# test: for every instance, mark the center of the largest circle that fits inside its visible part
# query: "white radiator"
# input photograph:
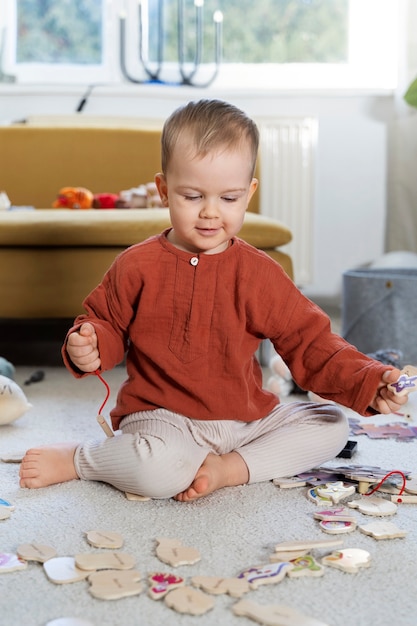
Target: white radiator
(287, 159)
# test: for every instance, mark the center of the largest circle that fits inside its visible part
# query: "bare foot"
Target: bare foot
(217, 471)
(48, 465)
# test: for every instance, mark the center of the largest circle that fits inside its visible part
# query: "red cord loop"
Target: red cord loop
(97, 373)
(385, 478)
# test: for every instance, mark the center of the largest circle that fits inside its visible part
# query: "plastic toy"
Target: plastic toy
(6, 368)
(73, 198)
(13, 402)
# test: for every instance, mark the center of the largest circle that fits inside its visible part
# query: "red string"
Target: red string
(97, 373)
(385, 478)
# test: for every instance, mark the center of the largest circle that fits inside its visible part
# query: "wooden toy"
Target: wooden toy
(104, 539)
(411, 485)
(12, 457)
(189, 600)
(273, 614)
(13, 402)
(162, 583)
(314, 496)
(288, 546)
(406, 383)
(172, 552)
(348, 560)
(337, 527)
(382, 530)
(305, 566)
(341, 514)
(6, 505)
(36, 552)
(136, 497)
(266, 574)
(104, 560)
(69, 621)
(11, 562)
(404, 499)
(114, 584)
(5, 513)
(235, 587)
(374, 505)
(289, 483)
(336, 491)
(62, 570)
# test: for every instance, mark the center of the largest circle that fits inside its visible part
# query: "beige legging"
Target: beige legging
(158, 452)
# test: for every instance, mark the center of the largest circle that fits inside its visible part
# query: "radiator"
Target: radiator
(287, 162)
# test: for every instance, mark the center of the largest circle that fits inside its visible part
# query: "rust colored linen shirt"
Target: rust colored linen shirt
(190, 325)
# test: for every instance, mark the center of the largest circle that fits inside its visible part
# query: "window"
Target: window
(291, 43)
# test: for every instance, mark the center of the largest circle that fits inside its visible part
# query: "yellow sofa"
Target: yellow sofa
(51, 259)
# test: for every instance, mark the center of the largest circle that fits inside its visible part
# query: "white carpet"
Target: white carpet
(234, 528)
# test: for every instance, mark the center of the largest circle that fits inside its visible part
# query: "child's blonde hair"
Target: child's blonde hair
(211, 124)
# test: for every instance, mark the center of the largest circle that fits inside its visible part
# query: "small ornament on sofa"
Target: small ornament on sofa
(13, 402)
(74, 198)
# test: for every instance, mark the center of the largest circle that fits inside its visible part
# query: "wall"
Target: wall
(352, 155)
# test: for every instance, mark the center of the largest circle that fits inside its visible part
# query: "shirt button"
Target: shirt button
(194, 261)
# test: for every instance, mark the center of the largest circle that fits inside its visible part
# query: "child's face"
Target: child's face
(207, 196)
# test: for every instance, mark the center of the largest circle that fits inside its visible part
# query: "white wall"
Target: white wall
(352, 155)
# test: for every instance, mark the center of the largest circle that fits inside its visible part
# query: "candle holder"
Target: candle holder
(187, 70)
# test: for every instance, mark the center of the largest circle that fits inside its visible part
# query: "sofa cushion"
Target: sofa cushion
(118, 227)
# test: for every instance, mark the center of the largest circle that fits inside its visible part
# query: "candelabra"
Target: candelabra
(153, 69)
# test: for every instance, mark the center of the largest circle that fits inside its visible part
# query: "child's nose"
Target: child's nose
(209, 209)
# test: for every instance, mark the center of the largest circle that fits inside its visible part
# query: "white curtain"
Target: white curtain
(402, 166)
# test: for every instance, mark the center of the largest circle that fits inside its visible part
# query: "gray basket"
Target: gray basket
(379, 310)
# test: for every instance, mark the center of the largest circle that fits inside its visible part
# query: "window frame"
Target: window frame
(372, 64)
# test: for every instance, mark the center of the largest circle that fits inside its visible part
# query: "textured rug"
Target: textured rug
(234, 529)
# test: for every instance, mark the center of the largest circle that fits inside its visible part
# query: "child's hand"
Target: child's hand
(386, 401)
(82, 348)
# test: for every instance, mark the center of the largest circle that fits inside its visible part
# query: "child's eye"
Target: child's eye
(190, 197)
(229, 198)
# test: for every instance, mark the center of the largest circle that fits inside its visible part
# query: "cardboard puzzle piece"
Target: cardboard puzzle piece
(161, 583)
(114, 584)
(189, 600)
(174, 553)
(235, 587)
(273, 614)
(104, 560)
(104, 539)
(348, 560)
(374, 505)
(11, 562)
(36, 552)
(397, 431)
(336, 491)
(62, 570)
(383, 530)
(268, 574)
(305, 566)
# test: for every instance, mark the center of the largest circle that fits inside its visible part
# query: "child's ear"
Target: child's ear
(252, 188)
(162, 187)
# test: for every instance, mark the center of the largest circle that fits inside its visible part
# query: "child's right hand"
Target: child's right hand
(82, 348)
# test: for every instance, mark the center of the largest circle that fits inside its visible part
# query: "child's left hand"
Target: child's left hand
(386, 401)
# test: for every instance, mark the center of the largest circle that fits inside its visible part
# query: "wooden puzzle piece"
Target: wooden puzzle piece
(404, 499)
(104, 560)
(340, 514)
(114, 584)
(62, 570)
(104, 539)
(374, 505)
(172, 552)
(162, 583)
(11, 562)
(12, 457)
(268, 574)
(5, 504)
(406, 383)
(383, 530)
(411, 485)
(336, 491)
(5, 513)
(314, 496)
(337, 527)
(235, 587)
(69, 621)
(136, 497)
(36, 552)
(189, 600)
(305, 566)
(289, 482)
(290, 555)
(307, 544)
(348, 560)
(273, 614)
